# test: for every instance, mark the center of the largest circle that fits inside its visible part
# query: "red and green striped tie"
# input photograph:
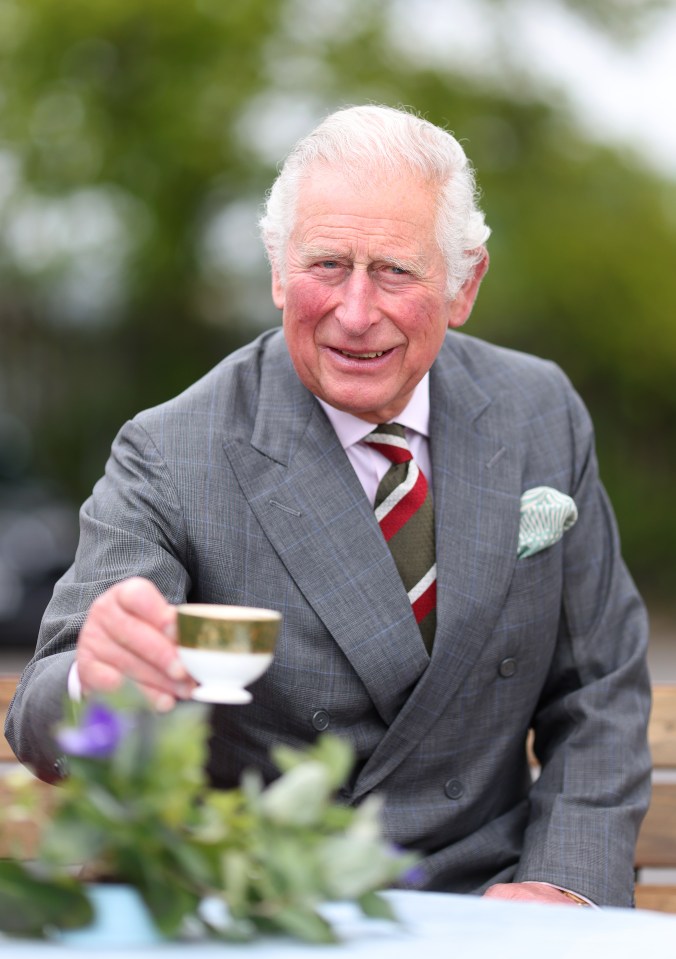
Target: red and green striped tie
(404, 511)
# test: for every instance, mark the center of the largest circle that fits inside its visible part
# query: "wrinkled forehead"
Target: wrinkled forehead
(368, 190)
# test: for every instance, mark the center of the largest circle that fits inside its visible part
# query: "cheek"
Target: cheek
(306, 303)
(425, 325)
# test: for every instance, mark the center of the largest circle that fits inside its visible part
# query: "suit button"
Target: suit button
(507, 667)
(321, 720)
(454, 789)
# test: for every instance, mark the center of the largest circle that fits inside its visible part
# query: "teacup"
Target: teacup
(225, 648)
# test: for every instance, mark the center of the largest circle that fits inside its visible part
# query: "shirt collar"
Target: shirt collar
(415, 416)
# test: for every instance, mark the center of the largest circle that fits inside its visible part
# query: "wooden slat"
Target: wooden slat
(656, 847)
(19, 839)
(663, 725)
(657, 838)
(658, 898)
(8, 683)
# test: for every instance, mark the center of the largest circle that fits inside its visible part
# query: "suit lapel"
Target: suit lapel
(476, 483)
(307, 498)
(311, 506)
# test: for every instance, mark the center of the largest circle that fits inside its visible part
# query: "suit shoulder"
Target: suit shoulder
(499, 368)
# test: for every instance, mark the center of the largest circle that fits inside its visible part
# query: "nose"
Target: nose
(357, 311)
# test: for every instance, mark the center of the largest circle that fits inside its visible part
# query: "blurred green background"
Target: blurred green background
(137, 141)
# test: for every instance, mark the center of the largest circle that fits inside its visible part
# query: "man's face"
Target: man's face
(364, 303)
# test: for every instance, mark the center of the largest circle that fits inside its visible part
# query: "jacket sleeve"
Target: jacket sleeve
(591, 721)
(132, 525)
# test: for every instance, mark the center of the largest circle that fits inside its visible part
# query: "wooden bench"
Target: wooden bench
(656, 849)
(7, 686)
(24, 833)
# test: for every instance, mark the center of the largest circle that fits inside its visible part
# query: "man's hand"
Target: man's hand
(530, 892)
(131, 632)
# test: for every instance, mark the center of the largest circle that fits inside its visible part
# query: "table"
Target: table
(435, 925)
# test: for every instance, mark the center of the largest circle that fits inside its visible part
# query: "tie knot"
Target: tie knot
(390, 440)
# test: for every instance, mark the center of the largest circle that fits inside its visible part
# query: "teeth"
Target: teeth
(362, 356)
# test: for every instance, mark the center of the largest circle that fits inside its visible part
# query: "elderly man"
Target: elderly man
(433, 632)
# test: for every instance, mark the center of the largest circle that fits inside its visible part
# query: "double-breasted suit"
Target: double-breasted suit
(238, 491)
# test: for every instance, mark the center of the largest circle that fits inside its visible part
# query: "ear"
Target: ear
(461, 306)
(278, 295)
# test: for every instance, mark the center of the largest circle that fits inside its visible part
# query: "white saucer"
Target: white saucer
(222, 693)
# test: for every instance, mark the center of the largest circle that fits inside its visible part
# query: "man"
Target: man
(257, 487)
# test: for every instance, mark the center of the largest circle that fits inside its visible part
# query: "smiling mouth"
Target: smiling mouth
(362, 356)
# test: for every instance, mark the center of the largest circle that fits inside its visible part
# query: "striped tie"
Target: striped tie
(404, 511)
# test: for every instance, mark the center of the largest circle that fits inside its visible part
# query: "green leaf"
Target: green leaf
(366, 823)
(169, 904)
(338, 757)
(193, 863)
(352, 867)
(376, 907)
(335, 754)
(305, 924)
(299, 796)
(68, 841)
(289, 861)
(236, 868)
(30, 905)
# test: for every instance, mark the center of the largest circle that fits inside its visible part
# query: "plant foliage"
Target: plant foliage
(136, 808)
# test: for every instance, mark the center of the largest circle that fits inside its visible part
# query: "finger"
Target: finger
(142, 599)
(118, 621)
(103, 664)
(128, 645)
(103, 678)
(98, 676)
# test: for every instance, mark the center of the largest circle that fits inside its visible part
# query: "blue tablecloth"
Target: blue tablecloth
(433, 926)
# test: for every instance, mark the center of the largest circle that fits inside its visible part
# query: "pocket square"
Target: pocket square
(546, 514)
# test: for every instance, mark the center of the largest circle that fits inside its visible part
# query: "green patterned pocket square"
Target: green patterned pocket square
(546, 514)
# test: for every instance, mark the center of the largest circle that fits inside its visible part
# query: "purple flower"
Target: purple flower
(413, 878)
(97, 736)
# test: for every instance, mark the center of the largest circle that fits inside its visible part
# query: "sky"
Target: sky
(621, 95)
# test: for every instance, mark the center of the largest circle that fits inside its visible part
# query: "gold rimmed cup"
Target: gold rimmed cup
(225, 648)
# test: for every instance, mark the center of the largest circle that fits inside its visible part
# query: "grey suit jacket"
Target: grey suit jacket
(238, 491)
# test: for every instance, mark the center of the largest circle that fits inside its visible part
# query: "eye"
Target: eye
(328, 271)
(395, 273)
(394, 268)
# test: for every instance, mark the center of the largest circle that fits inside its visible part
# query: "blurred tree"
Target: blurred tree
(136, 142)
(118, 137)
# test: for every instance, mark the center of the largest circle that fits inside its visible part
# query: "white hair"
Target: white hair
(356, 139)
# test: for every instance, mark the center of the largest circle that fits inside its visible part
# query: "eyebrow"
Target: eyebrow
(415, 265)
(321, 253)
